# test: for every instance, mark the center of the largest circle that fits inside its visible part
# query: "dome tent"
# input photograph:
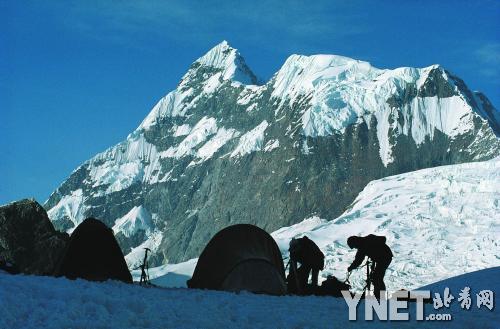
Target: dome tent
(92, 253)
(241, 257)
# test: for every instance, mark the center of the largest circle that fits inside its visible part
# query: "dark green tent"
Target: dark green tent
(92, 253)
(241, 257)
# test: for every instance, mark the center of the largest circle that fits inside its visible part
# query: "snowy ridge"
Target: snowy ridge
(230, 66)
(228, 59)
(199, 134)
(138, 218)
(451, 116)
(181, 130)
(214, 144)
(343, 90)
(251, 141)
(439, 222)
(301, 74)
(170, 105)
(122, 165)
(71, 206)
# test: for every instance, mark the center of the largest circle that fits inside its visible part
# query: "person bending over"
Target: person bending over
(375, 248)
(311, 259)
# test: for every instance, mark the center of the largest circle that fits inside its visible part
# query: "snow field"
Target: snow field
(46, 302)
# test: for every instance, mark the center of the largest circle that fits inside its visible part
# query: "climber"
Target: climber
(311, 259)
(373, 247)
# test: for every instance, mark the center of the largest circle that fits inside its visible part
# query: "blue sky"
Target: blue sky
(77, 76)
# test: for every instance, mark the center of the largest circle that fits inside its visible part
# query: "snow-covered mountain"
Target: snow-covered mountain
(222, 148)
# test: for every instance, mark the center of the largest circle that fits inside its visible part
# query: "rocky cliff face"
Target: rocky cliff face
(223, 149)
(28, 239)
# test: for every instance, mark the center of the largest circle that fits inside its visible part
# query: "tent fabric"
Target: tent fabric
(240, 257)
(257, 276)
(92, 253)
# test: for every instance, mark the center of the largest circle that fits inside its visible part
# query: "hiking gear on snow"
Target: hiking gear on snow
(333, 287)
(144, 268)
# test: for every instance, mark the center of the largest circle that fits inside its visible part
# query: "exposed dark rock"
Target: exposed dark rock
(489, 113)
(27, 238)
(436, 85)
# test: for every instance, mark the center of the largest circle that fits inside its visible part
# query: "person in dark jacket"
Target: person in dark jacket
(375, 248)
(311, 259)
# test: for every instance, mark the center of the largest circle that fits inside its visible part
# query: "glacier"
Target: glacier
(439, 222)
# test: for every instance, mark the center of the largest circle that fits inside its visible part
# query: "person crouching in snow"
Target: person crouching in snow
(373, 247)
(311, 259)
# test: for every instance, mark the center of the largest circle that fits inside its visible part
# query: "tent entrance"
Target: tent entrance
(255, 275)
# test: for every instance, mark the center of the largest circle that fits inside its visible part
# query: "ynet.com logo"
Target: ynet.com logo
(396, 308)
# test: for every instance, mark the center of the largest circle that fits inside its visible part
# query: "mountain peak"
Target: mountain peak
(301, 72)
(219, 56)
(228, 59)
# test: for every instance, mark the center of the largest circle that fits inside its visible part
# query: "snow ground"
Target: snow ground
(46, 302)
(170, 275)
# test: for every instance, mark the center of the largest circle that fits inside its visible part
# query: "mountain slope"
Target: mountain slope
(439, 222)
(221, 149)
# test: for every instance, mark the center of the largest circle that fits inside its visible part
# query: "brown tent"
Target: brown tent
(241, 257)
(92, 253)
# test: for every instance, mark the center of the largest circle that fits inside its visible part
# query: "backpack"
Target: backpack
(375, 240)
(332, 287)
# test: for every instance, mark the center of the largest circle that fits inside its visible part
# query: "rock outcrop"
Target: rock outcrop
(27, 238)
